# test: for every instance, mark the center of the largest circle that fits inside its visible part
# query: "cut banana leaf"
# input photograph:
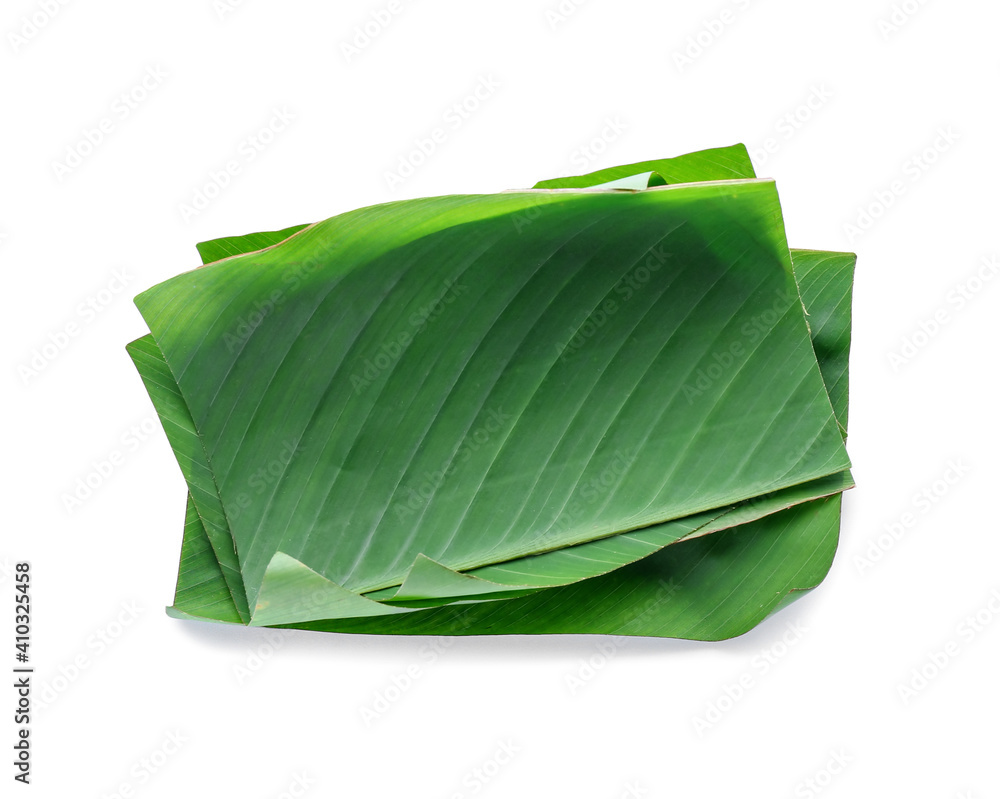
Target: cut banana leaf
(615, 403)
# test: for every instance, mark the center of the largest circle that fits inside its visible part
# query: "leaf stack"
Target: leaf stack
(613, 403)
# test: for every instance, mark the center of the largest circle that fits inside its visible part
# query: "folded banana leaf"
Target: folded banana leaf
(613, 403)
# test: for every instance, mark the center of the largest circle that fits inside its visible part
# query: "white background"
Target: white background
(903, 126)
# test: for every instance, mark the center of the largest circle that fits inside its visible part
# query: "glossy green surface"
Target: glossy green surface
(507, 404)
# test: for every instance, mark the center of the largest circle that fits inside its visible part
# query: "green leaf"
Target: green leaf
(203, 496)
(217, 249)
(489, 402)
(201, 584)
(720, 163)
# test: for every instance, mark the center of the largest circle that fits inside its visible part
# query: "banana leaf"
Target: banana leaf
(612, 403)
